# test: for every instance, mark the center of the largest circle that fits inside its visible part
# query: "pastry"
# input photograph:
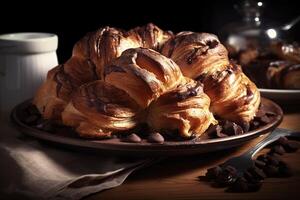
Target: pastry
(155, 93)
(202, 57)
(118, 80)
(90, 54)
(184, 110)
(284, 74)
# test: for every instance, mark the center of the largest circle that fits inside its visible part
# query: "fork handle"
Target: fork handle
(274, 135)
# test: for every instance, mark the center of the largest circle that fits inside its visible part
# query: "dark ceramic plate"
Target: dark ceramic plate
(168, 148)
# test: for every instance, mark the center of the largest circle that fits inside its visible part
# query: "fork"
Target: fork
(244, 161)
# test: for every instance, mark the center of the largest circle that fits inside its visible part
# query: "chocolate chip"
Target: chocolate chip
(271, 171)
(265, 119)
(277, 149)
(156, 138)
(282, 141)
(214, 172)
(245, 126)
(219, 132)
(272, 160)
(260, 113)
(227, 128)
(262, 158)
(240, 185)
(259, 163)
(237, 129)
(232, 170)
(291, 146)
(257, 173)
(226, 176)
(133, 138)
(248, 176)
(254, 124)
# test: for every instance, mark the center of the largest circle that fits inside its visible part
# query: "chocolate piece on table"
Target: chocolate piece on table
(227, 176)
(257, 173)
(259, 163)
(271, 170)
(214, 172)
(273, 159)
(277, 149)
(291, 146)
(240, 185)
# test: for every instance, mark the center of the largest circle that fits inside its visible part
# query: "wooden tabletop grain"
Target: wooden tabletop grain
(176, 178)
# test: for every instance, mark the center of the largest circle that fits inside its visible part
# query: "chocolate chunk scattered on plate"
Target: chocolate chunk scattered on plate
(156, 137)
(133, 138)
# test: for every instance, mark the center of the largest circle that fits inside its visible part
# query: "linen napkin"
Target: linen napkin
(34, 170)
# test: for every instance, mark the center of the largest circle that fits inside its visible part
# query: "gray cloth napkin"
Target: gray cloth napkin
(33, 170)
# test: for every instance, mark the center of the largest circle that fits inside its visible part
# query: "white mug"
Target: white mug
(25, 59)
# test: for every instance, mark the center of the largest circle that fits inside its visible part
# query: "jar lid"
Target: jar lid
(28, 43)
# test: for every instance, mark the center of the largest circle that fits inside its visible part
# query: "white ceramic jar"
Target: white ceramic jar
(25, 59)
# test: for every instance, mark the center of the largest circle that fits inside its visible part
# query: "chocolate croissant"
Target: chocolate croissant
(54, 94)
(144, 74)
(155, 92)
(90, 54)
(184, 109)
(201, 56)
(116, 80)
(98, 108)
(283, 74)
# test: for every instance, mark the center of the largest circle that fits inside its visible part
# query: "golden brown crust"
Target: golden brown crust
(201, 56)
(234, 96)
(90, 54)
(284, 74)
(146, 73)
(150, 36)
(98, 108)
(54, 94)
(196, 53)
(184, 109)
(138, 84)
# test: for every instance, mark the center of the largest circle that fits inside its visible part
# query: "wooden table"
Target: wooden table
(176, 178)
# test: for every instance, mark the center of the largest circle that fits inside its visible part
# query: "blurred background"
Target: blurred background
(71, 20)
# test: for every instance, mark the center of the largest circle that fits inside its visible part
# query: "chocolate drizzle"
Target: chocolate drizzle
(62, 80)
(173, 44)
(190, 92)
(113, 68)
(212, 43)
(249, 94)
(94, 69)
(193, 56)
(93, 100)
(202, 50)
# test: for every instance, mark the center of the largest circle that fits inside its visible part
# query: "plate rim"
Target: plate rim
(281, 91)
(126, 146)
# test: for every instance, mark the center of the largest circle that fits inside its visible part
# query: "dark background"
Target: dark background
(71, 20)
